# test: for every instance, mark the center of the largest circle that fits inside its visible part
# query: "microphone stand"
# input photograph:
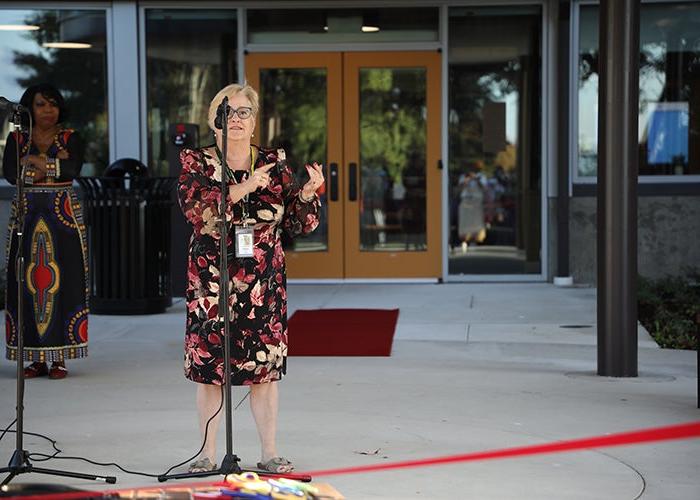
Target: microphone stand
(229, 464)
(19, 462)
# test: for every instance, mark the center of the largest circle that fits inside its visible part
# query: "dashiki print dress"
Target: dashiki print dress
(55, 254)
(258, 284)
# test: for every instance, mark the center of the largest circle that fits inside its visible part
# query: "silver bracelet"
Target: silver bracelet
(29, 175)
(51, 168)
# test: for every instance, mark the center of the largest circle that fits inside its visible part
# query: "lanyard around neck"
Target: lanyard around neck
(232, 178)
(229, 171)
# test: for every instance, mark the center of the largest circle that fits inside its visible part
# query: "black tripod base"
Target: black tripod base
(20, 464)
(229, 465)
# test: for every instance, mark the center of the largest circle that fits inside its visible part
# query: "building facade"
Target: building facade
(459, 138)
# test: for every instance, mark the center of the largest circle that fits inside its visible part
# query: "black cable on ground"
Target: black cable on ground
(42, 457)
(7, 429)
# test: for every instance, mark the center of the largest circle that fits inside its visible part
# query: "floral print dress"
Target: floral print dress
(258, 284)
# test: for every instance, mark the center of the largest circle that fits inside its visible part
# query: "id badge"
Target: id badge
(244, 241)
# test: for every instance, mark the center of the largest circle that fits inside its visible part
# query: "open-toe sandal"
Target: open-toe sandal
(276, 465)
(202, 465)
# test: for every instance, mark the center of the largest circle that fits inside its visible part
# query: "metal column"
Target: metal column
(563, 97)
(617, 187)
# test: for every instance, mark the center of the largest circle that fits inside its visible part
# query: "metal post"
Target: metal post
(617, 187)
(563, 96)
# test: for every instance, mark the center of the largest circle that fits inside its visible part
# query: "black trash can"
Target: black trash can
(128, 230)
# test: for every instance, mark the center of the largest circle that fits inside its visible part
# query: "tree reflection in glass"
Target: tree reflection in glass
(392, 159)
(80, 74)
(293, 116)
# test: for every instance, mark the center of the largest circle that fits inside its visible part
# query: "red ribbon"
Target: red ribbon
(680, 431)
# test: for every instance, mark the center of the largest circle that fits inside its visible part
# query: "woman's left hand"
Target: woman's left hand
(315, 180)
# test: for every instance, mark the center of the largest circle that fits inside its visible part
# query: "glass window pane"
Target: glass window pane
(669, 90)
(588, 92)
(392, 159)
(293, 116)
(342, 25)
(66, 48)
(190, 56)
(494, 132)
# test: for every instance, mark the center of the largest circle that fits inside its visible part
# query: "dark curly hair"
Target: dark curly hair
(50, 93)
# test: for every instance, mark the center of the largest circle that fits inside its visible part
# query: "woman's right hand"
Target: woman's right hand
(259, 179)
(34, 161)
(34, 167)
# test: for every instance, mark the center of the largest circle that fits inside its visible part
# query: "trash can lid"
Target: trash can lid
(126, 167)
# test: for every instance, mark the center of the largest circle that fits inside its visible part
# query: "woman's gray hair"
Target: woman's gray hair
(230, 91)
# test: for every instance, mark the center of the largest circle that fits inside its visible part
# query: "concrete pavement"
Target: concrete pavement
(474, 367)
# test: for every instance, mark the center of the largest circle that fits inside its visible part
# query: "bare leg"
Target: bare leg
(264, 405)
(208, 401)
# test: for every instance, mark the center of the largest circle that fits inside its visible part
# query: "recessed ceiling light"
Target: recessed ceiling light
(66, 45)
(370, 29)
(18, 27)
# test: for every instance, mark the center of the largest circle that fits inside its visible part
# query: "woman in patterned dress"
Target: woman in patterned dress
(261, 189)
(55, 310)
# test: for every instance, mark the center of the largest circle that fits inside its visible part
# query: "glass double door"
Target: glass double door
(373, 120)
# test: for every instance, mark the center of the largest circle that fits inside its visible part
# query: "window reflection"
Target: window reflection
(494, 123)
(190, 56)
(293, 116)
(66, 48)
(392, 159)
(668, 90)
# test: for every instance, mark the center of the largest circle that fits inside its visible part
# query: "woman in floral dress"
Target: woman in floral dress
(262, 193)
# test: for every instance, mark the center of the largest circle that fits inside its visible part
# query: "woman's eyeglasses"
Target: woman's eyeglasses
(244, 112)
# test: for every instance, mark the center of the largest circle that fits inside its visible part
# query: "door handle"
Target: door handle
(352, 188)
(333, 185)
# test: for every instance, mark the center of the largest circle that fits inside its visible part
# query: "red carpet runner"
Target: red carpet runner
(342, 332)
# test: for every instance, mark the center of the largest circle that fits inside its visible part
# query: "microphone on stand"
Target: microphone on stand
(11, 106)
(221, 114)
